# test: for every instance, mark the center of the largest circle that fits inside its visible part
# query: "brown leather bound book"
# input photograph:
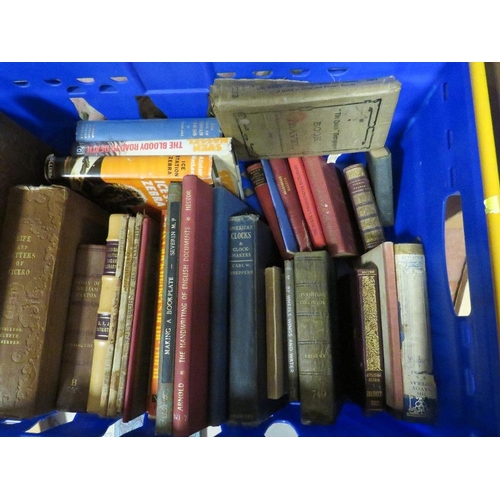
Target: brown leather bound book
(42, 229)
(331, 205)
(364, 205)
(290, 197)
(316, 336)
(256, 174)
(190, 412)
(76, 361)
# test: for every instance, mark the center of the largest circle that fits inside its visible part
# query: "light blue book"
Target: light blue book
(289, 239)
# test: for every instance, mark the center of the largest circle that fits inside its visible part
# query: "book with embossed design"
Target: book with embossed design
(42, 229)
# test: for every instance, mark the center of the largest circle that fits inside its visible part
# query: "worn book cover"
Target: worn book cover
(317, 338)
(76, 361)
(379, 163)
(42, 229)
(283, 118)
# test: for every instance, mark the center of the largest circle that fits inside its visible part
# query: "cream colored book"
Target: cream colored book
(110, 391)
(109, 302)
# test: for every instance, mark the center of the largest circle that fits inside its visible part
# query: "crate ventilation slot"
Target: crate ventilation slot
(281, 429)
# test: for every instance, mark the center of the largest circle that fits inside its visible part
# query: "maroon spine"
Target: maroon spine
(330, 202)
(258, 179)
(288, 193)
(190, 408)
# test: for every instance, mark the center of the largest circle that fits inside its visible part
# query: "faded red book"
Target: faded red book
(190, 412)
(331, 206)
(290, 197)
(258, 178)
(307, 202)
(143, 322)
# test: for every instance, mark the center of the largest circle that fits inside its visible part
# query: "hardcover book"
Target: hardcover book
(288, 192)
(147, 129)
(291, 332)
(379, 163)
(382, 256)
(364, 205)
(193, 308)
(42, 229)
(336, 223)
(118, 183)
(259, 181)
(76, 360)
(143, 323)
(107, 312)
(283, 118)
(419, 386)
(307, 203)
(168, 313)
(252, 249)
(225, 206)
(317, 336)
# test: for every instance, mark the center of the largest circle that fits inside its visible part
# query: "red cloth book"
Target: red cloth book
(190, 409)
(337, 225)
(307, 202)
(256, 174)
(288, 192)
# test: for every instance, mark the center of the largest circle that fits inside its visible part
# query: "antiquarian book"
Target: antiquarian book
(364, 205)
(307, 202)
(366, 384)
(193, 308)
(133, 183)
(21, 154)
(225, 206)
(249, 195)
(107, 312)
(114, 354)
(226, 172)
(42, 229)
(252, 249)
(168, 313)
(155, 360)
(382, 256)
(288, 192)
(143, 322)
(274, 333)
(420, 394)
(291, 332)
(146, 129)
(287, 232)
(258, 178)
(317, 337)
(116, 407)
(379, 163)
(76, 360)
(283, 118)
(337, 225)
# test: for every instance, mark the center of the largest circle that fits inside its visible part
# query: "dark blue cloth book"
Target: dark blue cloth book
(225, 205)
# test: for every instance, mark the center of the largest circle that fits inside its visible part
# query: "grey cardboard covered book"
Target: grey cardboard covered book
(281, 118)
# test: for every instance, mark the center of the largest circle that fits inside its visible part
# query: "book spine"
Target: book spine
(76, 359)
(314, 281)
(287, 232)
(108, 307)
(379, 164)
(307, 202)
(261, 187)
(290, 198)
(249, 195)
(157, 129)
(330, 202)
(165, 400)
(190, 410)
(420, 396)
(274, 333)
(369, 338)
(291, 332)
(365, 208)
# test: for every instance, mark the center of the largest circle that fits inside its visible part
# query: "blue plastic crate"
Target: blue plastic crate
(433, 139)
